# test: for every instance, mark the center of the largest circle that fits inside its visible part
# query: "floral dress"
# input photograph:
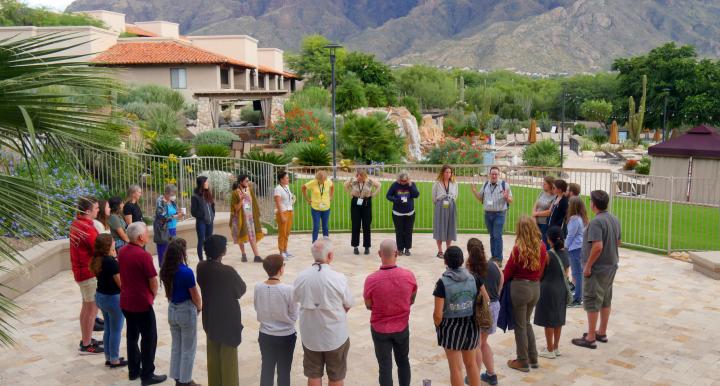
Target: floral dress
(246, 210)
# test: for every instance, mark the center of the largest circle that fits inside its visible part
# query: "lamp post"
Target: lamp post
(667, 92)
(562, 128)
(333, 47)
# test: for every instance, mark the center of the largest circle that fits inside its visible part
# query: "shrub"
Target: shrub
(163, 119)
(643, 167)
(190, 110)
(313, 154)
(215, 137)
(350, 95)
(292, 149)
(544, 153)
(455, 151)
(630, 164)
(257, 154)
(154, 94)
(250, 115)
(511, 126)
(220, 181)
(579, 129)
(371, 138)
(413, 106)
(297, 126)
(544, 123)
(166, 146)
(310, 97)
(598, 136)
(494, 123)
(375, 95)
(587, 146)
(212, 150)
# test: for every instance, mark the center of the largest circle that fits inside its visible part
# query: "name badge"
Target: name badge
(403, 199)
(489, 203)
(446, 204)
(322, 205)
(246, 206)
(359, 201)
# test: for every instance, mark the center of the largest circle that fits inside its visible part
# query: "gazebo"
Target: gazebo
(694, 160)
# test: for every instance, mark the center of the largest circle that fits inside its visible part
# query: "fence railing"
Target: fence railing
(659, 213)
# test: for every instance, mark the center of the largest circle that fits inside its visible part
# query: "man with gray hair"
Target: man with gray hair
(389, 292)
(139, 288)
(325, 299)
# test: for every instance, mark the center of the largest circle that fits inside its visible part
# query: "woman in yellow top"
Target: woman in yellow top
(362, 189)
(321, 194)
(245, 223)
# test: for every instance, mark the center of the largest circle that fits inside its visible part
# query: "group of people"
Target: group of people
(116, 274)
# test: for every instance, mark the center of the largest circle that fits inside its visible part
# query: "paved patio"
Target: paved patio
(664, 328)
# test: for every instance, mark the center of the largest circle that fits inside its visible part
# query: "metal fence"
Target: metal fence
(658, 213)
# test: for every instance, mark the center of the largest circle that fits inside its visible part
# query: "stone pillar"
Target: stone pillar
(204, 115)
(277, 109)
(247, 79)
(277, 81)
(282, 82)
(267, 82)
(256, 77)
(231, 76)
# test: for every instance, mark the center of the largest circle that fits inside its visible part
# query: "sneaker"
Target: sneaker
(289, 255)
(518, 365)
(257, 259)
(367, 251)
(489, 379)
(92, 342)
(153, 380)
(244, 258)
(557, 353)
(575, 304)
(572, 287)
(407, 252)
(326, 237)
(545, 353)
(107, 363)
(356, 251)
(98, 326)
(91, 349)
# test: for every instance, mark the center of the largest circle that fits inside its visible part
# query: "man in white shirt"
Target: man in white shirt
(324, 298)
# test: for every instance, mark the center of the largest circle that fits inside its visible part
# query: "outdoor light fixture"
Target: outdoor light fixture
(333, 47)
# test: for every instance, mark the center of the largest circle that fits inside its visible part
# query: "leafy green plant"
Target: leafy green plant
(151, 93)
(166, 146)
(598, 136)
(579, 129)
(190, 110)
(297, 126)
(257, 154)
(162, 119)
(375, 95)
(411, 103)
(250, 115)
(350, 95)
(15, 13)
(371, 138)
(544, 153)
(494, 123)
(215, 137)
(643, 166)
(310, 97)
(313, 154)
(212, 150)
(587, 146)
(544, 123)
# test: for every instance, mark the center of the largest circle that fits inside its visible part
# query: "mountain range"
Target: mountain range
(536, 36)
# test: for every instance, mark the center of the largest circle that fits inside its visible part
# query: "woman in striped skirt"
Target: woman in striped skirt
(457, 333)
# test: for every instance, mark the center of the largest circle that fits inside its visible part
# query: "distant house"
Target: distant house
(216, 71)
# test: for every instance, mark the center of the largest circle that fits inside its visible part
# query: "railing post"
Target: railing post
(180, 181)
(670, 214)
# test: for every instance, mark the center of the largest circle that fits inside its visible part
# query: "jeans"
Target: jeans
(524, 295)
(141, 361)
(114, 320)
(203, 232)
(276, 351)
(494, 222)
(317, 217)
(161, 248)
(360, 216)
(182, 318)
(543, 235)
(387, 344)
(577, 273)
(403, 231)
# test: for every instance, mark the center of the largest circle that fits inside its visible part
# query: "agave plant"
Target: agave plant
(49, 103)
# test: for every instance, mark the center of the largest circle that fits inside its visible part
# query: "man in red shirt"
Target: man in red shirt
(389, 293)
(137, 294)
(82, 246)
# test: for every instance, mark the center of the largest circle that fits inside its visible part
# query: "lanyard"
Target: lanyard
(494, 186)
(362, 188)
(287, 191)
(447, 188)
(322, 190)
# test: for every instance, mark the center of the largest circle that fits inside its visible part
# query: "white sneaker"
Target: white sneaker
(289, 255)
(284, 255)
(326, 237)
(547, 354)
(557, 353)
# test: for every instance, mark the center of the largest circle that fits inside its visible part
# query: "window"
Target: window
(225, 78)
(178, 78)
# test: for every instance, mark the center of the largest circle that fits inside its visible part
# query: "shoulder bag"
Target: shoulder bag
(565, 280)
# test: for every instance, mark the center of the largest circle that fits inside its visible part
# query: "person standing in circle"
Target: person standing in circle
(245, 217)
(284, 201)
(496, 198)
(166, 217)
(131, 209)
(362, 189)
(202, 207)
(402, 194)
(541, 212)
(444, 194)
(321, 195)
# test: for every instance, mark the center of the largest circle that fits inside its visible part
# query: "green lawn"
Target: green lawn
(644, 222)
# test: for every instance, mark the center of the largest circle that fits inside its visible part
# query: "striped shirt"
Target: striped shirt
(492, 196)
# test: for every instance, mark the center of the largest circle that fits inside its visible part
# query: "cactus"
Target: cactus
(635, 119)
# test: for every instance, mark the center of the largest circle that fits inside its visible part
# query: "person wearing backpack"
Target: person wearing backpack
(496, 198)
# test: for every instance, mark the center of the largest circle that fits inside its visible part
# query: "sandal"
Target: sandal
(582, 342)
(598, 337)
(439, 255)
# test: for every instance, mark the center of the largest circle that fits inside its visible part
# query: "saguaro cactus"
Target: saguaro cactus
(635, 119)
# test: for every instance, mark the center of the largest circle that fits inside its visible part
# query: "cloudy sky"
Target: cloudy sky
(56, 4)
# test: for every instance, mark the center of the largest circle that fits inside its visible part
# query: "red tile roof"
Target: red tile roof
(133, 29)
(162, 52)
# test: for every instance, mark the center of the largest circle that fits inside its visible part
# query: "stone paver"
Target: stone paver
(664, 328)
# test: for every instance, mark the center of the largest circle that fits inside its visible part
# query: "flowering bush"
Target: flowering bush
(455, 151)
(297, 126)
(64, 184)
(630, 164)
(220, 181)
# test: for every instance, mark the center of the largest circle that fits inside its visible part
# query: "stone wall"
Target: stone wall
(277, 110)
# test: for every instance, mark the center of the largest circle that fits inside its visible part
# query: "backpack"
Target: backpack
(502, 185)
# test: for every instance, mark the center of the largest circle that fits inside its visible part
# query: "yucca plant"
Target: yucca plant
(544, 153)
(313, 154)
(166, 146)
(212, 150)
(256, 154)
(37, 116)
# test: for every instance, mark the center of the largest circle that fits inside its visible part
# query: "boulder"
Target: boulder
(406, 126)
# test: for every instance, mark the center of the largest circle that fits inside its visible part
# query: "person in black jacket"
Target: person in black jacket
(202, 207)
(402, 194)
(559, 208)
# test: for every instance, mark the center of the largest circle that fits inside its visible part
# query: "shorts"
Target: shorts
(335, 362)
(597, 291)
(459, 334)
(87, 289)
(494, 312)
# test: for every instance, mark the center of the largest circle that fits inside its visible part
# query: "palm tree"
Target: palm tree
(49, 103)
